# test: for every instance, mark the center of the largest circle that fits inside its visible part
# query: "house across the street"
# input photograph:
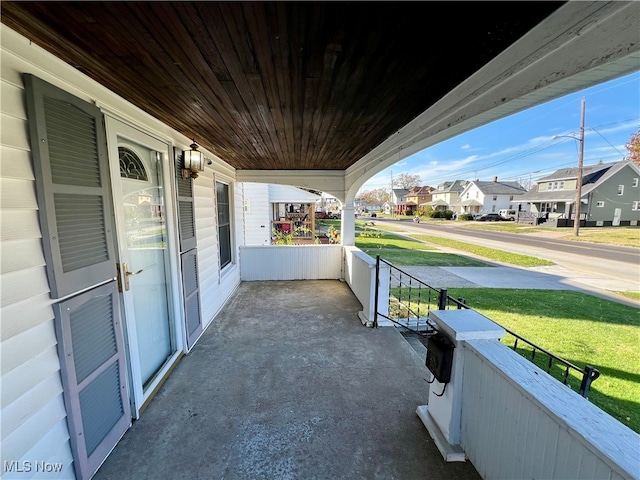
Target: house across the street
(479, 197)
(447, 194)
(610, 195)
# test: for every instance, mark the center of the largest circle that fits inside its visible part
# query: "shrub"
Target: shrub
(446, 214)
(368, 232)
(465, 216)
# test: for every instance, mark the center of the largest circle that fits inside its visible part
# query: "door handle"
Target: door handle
(127, 274)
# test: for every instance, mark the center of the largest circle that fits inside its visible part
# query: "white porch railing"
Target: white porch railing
(290, 262)
(360, 275)
(539, 427)
(513, 420)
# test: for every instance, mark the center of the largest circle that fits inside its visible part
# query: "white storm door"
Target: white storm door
(617, 213)
(138, 179)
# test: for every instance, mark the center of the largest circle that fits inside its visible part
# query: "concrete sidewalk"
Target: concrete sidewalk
(288, 384)
(553, 277)
(490, 277)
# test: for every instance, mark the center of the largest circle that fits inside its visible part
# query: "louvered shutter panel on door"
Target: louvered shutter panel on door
(91, 350)
(68, 146)
(70, 161)
(188, 253)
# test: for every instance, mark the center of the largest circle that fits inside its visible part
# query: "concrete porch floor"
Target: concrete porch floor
(288, 384)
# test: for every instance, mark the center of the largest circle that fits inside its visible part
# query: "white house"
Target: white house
(265, 204)
(489, 197)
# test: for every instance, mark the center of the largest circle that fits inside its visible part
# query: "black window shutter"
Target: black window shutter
(69, 150)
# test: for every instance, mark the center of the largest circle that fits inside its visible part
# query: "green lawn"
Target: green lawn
(386, 240)
(582, 329)
(631, 295)
(509, 227)
(388, 228)
(621, 236)
(421, 258)
(486, 252)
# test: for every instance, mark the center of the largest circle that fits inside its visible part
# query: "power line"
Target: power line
(614, 147)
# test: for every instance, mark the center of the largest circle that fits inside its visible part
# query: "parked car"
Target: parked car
(509, 214)
(491, 217)
(323, 215)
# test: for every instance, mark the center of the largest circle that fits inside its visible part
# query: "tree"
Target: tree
(634, 148)
(406, 181)
(376, 196)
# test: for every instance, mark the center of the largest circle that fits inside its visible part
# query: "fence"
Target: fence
(410, 301)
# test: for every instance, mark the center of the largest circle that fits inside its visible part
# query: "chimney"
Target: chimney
(495, 179)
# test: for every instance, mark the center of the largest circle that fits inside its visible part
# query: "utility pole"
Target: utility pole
(391, 199)
(576, 221)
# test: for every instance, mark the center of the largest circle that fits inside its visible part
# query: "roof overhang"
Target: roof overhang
(335, 90)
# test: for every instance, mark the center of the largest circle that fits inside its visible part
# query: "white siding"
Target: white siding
(518, 422)
(360, 275)
(34, 424)
(258, 198)
(215, 286)
(257, 215)
(289, 194)
(31, 402)
(291, 262)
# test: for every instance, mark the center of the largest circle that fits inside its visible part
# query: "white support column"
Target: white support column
(348, 232)
(442, 416)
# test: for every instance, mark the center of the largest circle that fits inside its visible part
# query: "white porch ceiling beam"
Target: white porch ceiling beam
(582, 44)
(328, 181)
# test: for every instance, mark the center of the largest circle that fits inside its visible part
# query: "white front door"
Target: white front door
(138, 179)
(617, 213)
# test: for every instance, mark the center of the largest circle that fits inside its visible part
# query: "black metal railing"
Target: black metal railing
(410, 300)
(588, 374)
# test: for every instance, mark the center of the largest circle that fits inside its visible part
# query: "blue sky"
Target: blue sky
(521, 147)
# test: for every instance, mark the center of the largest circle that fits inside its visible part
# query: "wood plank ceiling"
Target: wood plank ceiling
(279, 85)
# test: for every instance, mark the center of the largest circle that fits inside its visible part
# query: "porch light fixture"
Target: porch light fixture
(193, 162)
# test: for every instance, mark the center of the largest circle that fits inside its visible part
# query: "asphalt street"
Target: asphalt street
(592, 266)
(591, 250)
